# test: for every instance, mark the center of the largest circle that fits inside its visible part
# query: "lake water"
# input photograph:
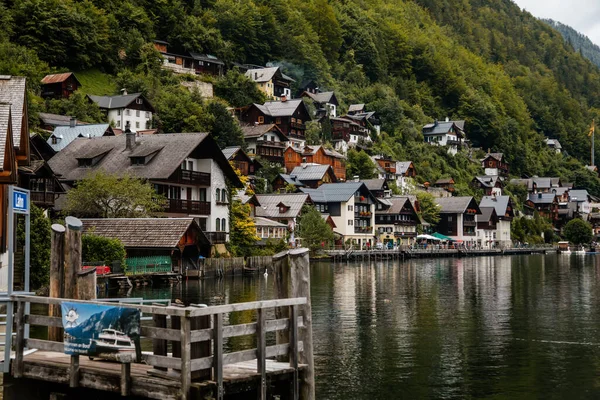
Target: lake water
(497, 327)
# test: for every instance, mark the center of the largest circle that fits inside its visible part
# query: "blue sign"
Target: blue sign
(20, 202)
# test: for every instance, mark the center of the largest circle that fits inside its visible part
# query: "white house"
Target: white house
(351, 206)
(505, 213)
(282, 208)
(448, 133)
(189, 169)
(133, 109)
(553, 144)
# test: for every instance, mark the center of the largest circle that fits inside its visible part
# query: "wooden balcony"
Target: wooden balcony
(216, 237)
(296, 125)
(191, 177)
(43, 198)
(269, 143)
(188, 207)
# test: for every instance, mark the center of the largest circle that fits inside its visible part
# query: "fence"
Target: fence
(148, 265)
(185, 331)
(217, 267)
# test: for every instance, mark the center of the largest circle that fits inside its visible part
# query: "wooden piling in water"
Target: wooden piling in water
(292, 279)
(57, 261)
(72, 256)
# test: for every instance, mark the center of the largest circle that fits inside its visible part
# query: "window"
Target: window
(190, 165)
(127, 112)
(350, 222)
(293, 119)
(138, 160)
(261, 120)
(118, 124)
(202, 194)
(119, 112)
(54, 140)
(223, 196)
(147, 114)
(85, 162)
(350, 208)
(218, 224)
(223, 225)
(138, 101)
(137, 113)
(174, 192)
(218, 196)
(127, 124)
(137, 124)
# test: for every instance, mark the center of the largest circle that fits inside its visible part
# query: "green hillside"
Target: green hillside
(579, 41)
(510, 76)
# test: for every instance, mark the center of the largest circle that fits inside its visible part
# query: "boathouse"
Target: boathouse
(154, 244)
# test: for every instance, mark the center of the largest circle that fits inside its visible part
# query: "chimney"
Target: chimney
(447, 119)
(283, 98)
(73, 122)
(129, 138)
(124, 92)
(356, 178)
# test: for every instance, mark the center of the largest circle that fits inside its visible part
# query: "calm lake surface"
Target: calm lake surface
(497, 327)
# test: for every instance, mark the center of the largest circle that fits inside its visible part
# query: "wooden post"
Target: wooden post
(186, 350)
(294, 350)
(159, 346)
(57, 265)
(72, 256)
(218, 354)
(125, 379)
(261, 348)
(200, 349)
(74, 371)
(20, 339)
(86, 284)
(292, 279)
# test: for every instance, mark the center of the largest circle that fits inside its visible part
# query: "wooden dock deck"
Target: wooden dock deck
(106, 376)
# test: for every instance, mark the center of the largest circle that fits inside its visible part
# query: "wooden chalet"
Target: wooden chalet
(272, 82)
(490, 184)
(240, 160)
(396, 221)
(316, 155)
(290, 116)
(8, 169)
(307, 175)
(378, 187)
(13, 91)
(325, 103)
(178, 241)
(59, 86)
(545, 204)
(495, 164)
(457, 217)
(189, 63)
(266, 141)
(445, 183)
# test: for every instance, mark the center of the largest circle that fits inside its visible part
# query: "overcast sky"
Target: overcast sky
(583, 15)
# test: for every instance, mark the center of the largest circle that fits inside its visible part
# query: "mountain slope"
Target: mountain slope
(579, 41)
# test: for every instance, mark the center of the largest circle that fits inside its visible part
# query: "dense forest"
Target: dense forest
(579, 41)
(509, 75)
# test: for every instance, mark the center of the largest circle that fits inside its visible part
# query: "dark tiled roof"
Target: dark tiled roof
(322, 97)
(261, 221)
(486, 214)
(175, 147)
(280, 108)
(500, 203)
(311, 172)
(57, 120)
(291, 180)
(542, 198)
(356, 107)
(396, 205)
(375, 184)
(12, 91)
(454, 205)
(163, 233)
(495, 156)
(257, 131)
(336, 192)
(5, 118)
(488, 181)
(57, 78)
(117, 101)
(269, 205)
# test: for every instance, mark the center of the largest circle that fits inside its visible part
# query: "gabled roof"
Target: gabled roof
(356, 107)
(175, 148)
(206, 58)
(57, 120)
(456, 205)
(65, 134)
(162, 233)
(118, 101)
(269, 204)
(291, 180)
(5, 122)
(322, 97)
(261, 221)
(495, 156)
(280, 108)
(266, 74)
(553, 143)
(337, 192)
(312, 172)
(500, 203)
(230, 152)
(402, 167)
(488, 181)
(375, 184)
(580, 194)
(314, 149)
(444, 181)
(487, 213)
(12, 91)
(257, 131)
(396, 204)
(443, 127)
(57, 78)
(541, 198)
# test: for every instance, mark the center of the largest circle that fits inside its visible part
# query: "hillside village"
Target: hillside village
(200, 181)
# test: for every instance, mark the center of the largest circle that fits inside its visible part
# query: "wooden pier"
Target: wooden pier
(192, 352)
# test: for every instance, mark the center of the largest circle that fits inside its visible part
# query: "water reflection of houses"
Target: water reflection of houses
(173, 244)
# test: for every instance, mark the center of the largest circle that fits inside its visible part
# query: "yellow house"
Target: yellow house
(271, 81)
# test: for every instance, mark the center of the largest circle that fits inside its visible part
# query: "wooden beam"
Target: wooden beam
(261, 344)
(218, 354)
(162, 361)
(252, 305)
(43, 320)
(186, 356)
(72, 256)
(74, 371)
(47, 345)
(159, 342)
(57, 261)
(125, 379)
(20, 339)
(294, 351)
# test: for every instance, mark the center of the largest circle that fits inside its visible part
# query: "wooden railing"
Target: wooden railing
(194, 177)
(43, 198)
(184, 323)
(188, 206)
(216, 237)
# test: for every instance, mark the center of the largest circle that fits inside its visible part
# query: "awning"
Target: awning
(428, 237)
(443, 237)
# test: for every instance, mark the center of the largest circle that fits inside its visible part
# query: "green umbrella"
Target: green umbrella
(443, 237)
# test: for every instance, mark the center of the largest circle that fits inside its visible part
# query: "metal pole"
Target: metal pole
(593, 134)
(27, 258)
(11, 240)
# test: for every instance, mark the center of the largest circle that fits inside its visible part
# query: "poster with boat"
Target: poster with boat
(100, 331)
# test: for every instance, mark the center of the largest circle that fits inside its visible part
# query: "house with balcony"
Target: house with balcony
(189, 63)
(283, 208)
(266, 141)
(458, 218)
(351, 206)
(402, 173)
(545, 204)
(446, 184)
(241, 161)
(316, 155)
(306, 175)
(450, 134)
(59, 86)
(504, 213)
(494, 164)
(189, 169)
(396, 221)
(63, 135)
(367, 119)
(325, 103)
(272, 82)
(490, 184)
(290, 116)
(124, 110)
(269, 230)
(346, 133)
(487, 224)
(379, 188)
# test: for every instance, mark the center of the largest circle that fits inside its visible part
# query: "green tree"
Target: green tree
(77, 105)
(313, 133)
(313, 230)
(430, 209)
(111, 196)
(242, 231)
(40, 246)
(238, 90)
(359, 164)
(101, 249)
(223, 127)
(578, 231)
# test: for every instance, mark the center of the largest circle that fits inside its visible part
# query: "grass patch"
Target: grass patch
(93, 81)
